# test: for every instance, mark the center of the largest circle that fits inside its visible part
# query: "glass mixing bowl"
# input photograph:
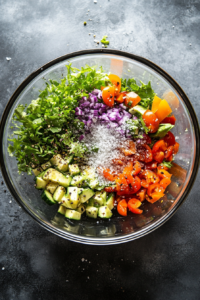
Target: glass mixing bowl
(117, 229)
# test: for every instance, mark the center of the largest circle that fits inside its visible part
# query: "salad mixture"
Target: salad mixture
(95, 143)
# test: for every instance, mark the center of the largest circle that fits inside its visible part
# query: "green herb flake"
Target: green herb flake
(104, 40)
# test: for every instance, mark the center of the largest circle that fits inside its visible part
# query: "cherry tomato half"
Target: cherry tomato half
(121, 97)
(108, 95)
(122, 208)
(132, 99)
(170, 139)
(116, 81)
(133, 205)
(108, 175)
(150, 120)
(169, 120)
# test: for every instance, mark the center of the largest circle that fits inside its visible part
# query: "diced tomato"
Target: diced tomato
(155, 192)
(128, 168)
(133, 205)
(117, 161)
(121, 97)
(108, 175)
(122, 208)
(136, 168)
(108, 95)
(110, 189)
(151, 165)
(151, 120)
(144, 153)
(131, 148)
(135, 183)
(176, 148)
(159, 146)
(169, 120)
(165, 182)
(170, 139)
(149, 176)
(158, 150)
(144, 183)
(162, 167)
(169, 152)
(116, 81)
(159, 156)
(141, 194)
(132, 99)
(163, 173)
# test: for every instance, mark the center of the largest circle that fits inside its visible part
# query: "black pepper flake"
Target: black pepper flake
(4, 191)
(111, 96)
(162, 172)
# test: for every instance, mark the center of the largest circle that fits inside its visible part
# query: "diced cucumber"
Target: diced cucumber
(104, 212)
(40, 182)
(54, 160)
(80, 190)
(93, 183)
(59, 193)
(74, 169)
(85, 195)
(72, 214)
(81, 208)
(110, 201)
(77, 180)
(47, 197)
(137, 109)
(62, 210)
(93, 202)
(46, 165)
(61, 163)
(56, 176)
(67, 202)
(89, 173)
(91, 212)
(100, 198)
(51, 187)
(37, 171)
(72, 192)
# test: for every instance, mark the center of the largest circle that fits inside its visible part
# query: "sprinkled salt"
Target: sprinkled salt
(8, 58)
(108, 141)
(10, 201)
(82, 259)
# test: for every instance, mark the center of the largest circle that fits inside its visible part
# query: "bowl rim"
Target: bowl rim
(126, 237)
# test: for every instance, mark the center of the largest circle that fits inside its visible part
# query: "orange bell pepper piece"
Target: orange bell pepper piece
(163, 110)
(155, 104)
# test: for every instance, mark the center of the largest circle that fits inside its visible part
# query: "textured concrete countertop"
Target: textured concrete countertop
(35, 264)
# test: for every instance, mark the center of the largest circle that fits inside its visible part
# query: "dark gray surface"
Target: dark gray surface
(39, 265)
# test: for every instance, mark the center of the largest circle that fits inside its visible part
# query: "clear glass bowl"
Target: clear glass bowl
(117, 229)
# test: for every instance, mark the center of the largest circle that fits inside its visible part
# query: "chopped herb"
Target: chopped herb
(104, 41)
(145, 91)
(167, 164)
(48, 124)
